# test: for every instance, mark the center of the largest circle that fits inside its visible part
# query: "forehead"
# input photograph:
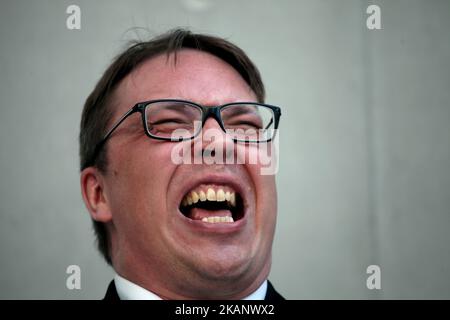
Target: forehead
(196, 76)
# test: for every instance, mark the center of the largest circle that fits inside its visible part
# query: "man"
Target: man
(181, 229)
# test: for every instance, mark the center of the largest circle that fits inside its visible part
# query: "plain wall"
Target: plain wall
(365, 138)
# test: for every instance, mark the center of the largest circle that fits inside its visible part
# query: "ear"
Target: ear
(93, 192)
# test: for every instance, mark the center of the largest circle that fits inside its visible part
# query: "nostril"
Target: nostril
(209, 153)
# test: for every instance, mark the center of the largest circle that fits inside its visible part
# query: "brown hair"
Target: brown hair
(96, 113)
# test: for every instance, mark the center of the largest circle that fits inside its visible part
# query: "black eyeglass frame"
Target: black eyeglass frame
(207, 111)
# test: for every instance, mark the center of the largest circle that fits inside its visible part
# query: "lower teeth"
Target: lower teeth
(217, 219)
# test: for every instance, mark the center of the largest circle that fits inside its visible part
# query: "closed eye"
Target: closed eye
(168, 121)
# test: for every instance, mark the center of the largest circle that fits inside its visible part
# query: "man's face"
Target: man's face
(157, 243)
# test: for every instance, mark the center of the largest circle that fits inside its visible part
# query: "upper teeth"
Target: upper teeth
(210, 195)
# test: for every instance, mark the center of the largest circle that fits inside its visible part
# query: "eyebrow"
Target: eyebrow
(177, 107)
(238, 111)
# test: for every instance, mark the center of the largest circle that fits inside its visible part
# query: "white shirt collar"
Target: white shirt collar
(128, 290)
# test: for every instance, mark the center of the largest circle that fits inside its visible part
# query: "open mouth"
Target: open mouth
(213, 204)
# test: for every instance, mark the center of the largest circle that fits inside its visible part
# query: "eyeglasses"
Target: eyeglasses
(179, 120)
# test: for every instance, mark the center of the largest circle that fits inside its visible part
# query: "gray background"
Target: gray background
(365, 139)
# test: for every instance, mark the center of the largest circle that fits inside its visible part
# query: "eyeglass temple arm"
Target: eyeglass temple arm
(118, 123)
(271, 121)
(278, 112)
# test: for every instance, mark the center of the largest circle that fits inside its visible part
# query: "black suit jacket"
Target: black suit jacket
(271, 294)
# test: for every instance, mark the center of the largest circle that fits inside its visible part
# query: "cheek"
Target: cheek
(263, 157)
(263, 183)
(265, 188)
(267, 209)
(266, 194)
(141, 177)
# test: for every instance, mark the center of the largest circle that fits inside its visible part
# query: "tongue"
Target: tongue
(199, 213)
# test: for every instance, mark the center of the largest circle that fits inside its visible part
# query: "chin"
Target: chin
(223, 266)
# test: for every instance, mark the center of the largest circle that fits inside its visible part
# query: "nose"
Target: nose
(211, 124)
(215, 143)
